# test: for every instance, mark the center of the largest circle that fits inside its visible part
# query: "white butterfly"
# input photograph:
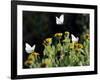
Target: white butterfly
(29, 49)
(60, 20)
(74, 39)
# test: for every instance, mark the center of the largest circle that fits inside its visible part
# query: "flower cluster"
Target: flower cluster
(47, 41)
(63, 49)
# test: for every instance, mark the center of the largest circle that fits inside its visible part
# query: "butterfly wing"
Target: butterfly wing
(77, 39)
(61, 19)
(57, 20)
(28, 48)
(33, 48)
(74, 39)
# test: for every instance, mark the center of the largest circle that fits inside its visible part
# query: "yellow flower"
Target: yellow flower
(66, 33)
(28, 62)
(78, 46)
(31, 57)
(58, 35)
(35, 54)
(46, 62)
(47, 41)
(87, 36)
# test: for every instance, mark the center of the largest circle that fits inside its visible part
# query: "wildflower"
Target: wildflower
(66, 34)
(47, 41)
(35, 54)
(46, 62)
(87, 36)
(58, 35)
(31, 57)
(78, 46)
(28, 63)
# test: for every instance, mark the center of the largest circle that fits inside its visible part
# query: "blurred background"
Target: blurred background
(40, 25)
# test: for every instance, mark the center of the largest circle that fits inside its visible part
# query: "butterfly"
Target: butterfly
(74, 39)
(60, 20)
(29, 49)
